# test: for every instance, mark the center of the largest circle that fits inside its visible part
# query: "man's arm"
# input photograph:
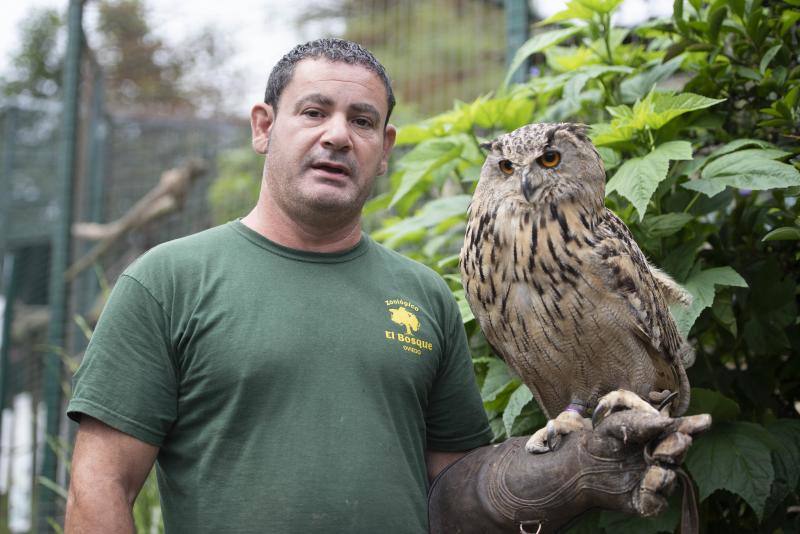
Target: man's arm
(108, 470)
(437, 461)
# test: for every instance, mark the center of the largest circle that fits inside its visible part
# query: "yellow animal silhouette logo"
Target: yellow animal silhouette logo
(405, 318)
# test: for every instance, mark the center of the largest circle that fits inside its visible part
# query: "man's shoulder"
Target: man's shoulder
(183, 252)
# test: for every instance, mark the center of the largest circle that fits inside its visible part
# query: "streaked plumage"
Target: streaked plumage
(558, 285)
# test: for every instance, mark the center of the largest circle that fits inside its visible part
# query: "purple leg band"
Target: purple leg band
(576, 408)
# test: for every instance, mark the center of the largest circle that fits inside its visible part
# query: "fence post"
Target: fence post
(6, 278)
(61, 242)
(518, 21)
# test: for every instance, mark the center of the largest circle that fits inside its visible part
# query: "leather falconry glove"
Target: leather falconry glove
(628, 463)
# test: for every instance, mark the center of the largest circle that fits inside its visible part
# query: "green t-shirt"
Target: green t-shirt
(287, 391)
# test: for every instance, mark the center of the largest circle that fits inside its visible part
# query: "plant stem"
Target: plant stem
(607, 36)
(691, 202)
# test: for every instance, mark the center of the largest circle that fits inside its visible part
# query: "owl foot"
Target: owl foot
(619, 400)
(663, 399)
(547, 439)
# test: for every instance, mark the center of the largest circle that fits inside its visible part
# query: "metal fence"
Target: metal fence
(109, 161)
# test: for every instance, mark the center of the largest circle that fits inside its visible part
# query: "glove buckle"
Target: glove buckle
(523, 524)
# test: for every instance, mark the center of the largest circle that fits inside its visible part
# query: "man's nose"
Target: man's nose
(337, 133)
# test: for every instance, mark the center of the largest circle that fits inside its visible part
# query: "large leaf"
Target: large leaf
(497, 380)
(713, 402)
(727, 148)
(638, 86)
(734, 456)
(518, 400)
(703, 286)
(652, 112)
(538, 43)
(784, 233)
(665, 225)
(785, 461)
(575, 85)
(430, 215)
(426, 157)
(573, 10)
(754, 169)
(638, 178)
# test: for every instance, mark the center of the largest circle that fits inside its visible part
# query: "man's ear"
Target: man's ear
(262, 117)
(389, 136)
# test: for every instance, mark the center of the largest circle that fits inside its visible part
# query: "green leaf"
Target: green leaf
(576, 83)
(722, 309)
(638, 86)
(538, 43)
(784, 233)
(427, 156)
(496, 381)
(715, 19)
(702, 286)
(787, 434)
(638, 178)
(665, 225)
(733, 146)
(463, 306)
(734, 456)
(754, 169)
(573, 10)
(518, 400)
(713, 402)
(652, 112)
(53, 486)
(600, 6)
(765, 61)
(430, 215)
(659, 108)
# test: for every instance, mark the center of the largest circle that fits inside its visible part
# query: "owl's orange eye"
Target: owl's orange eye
(549, 159)
(506, 167)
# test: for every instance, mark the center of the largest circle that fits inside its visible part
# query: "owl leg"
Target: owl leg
(547, 439)
(619, 400)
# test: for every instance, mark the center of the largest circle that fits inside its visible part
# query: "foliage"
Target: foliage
(141, 70)
(235, 191)
(696, 119)
(37, 63)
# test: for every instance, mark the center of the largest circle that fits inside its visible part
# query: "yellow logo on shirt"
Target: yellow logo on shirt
(403, 315)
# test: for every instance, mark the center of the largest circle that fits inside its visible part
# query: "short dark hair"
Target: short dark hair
(332, 49)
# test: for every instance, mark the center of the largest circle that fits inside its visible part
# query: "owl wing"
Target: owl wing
(638, 286)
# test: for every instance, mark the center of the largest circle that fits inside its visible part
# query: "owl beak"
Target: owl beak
(527, 187)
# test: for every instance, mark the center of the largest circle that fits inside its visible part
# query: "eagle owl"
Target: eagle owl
(560, 288)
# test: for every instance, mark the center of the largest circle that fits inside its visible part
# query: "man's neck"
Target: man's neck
(279, 227)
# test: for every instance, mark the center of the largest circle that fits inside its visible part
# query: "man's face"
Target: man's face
(327, 141)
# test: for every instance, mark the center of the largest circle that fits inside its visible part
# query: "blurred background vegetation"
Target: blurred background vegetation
(696, 115)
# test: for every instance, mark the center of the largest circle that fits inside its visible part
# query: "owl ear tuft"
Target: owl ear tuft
(488, 146)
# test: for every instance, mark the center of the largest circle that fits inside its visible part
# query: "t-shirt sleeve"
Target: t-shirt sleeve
(456, 420)
(127, 378)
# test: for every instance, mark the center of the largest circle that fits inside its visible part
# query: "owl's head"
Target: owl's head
(542, 163)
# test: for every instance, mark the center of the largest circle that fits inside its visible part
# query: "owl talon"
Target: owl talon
(667, 401)
(552, 436)
(620, 400)
(596, 415)
(548, 439)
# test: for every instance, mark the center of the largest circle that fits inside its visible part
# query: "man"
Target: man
(288, 373)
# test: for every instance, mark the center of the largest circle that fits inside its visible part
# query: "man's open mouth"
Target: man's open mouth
(333, 168)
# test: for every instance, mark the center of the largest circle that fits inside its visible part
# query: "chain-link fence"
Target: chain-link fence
(436, 51)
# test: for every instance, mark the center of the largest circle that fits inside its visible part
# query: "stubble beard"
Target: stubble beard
(317, 207)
